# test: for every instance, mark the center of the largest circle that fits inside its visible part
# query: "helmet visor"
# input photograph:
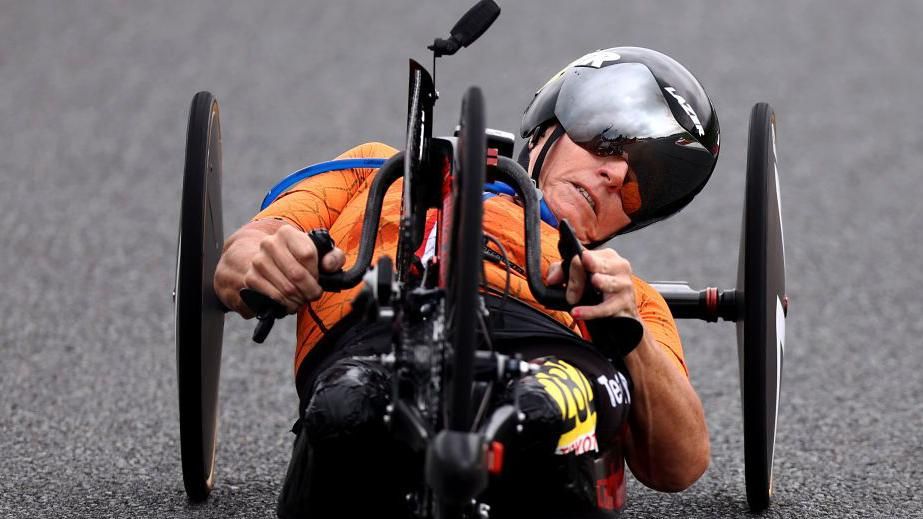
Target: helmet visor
(620, 109)
(613, 105)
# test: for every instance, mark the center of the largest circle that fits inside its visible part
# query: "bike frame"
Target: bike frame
(437, 313)
(434, 359)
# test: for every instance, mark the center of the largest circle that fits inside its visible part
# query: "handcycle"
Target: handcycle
(439, 311)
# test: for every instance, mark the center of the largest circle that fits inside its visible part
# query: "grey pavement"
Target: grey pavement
(94, 98)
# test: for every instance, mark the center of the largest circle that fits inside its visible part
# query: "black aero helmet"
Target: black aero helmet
(640, 104)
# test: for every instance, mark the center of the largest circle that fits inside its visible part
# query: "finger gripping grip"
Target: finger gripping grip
(324, 244)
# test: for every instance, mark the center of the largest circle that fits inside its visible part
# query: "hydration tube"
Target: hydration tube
(316, 169)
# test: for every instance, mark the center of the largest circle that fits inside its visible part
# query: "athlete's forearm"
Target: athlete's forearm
(667, 445)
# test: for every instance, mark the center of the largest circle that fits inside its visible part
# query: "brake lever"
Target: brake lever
(615, 336)
(267, 309)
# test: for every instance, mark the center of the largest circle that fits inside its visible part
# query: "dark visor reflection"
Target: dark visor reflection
(616, 104)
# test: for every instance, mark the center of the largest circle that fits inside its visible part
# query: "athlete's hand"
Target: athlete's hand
(609, 273)
(279, 261)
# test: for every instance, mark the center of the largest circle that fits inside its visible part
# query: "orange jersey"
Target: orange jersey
(336, 201)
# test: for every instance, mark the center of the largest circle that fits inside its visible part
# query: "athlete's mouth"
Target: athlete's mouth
(586, 194)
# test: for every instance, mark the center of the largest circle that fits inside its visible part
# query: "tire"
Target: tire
(199, 314)
(761, 332)
(464, 269)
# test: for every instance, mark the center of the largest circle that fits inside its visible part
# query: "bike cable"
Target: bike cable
(506, 262)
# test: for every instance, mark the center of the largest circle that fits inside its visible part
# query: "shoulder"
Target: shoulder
(368, 150)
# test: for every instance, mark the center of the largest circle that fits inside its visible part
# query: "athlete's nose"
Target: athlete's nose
(613, 173)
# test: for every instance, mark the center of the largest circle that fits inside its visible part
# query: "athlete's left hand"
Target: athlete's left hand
(609, 273)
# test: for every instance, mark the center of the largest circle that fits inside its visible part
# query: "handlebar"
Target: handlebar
(510, 171)
(390, 171)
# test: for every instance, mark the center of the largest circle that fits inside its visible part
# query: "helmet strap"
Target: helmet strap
(523, 158)
(540, 160)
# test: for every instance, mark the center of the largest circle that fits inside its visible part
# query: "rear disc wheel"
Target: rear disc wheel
(199, 314)
(761, 331)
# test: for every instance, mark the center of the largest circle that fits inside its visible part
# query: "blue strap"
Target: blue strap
(503, 188)
(316, 169)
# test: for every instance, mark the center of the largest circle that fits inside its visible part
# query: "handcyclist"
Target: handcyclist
(617, 140)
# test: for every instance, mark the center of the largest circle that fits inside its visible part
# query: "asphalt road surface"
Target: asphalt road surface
(94, 99)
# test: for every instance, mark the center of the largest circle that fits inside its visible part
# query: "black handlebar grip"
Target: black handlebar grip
(614, 336)
(568, 247)
(267, 310)
(263, 327)
(324, 244)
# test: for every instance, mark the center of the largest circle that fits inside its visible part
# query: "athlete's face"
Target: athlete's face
(583, 187)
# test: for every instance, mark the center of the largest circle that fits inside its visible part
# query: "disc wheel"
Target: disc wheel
(761, 331)
(463, 273)
(199, 315)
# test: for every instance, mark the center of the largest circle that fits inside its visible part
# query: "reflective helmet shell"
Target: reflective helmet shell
(642, 105)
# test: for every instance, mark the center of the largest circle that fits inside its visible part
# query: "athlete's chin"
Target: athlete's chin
(576, 212)
(578, 221)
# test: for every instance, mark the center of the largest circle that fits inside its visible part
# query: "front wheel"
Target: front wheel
(464, 254)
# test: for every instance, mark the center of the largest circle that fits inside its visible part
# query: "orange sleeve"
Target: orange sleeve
(318, 201)
(658, 320)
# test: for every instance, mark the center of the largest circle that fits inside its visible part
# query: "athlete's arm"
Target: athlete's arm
(272, 253)
(667, 445)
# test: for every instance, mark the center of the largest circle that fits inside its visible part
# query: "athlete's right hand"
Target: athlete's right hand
(276, 259)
